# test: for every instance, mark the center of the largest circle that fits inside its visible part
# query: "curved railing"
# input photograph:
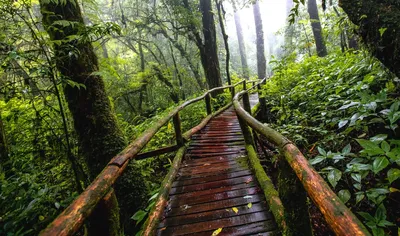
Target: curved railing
(338, 216)
(73, 217)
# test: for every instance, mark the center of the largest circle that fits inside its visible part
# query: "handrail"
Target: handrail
(339, 217)
(73, 217)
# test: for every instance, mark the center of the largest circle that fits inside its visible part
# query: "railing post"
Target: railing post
(244, 84)
(233, 91)
(208, 104)
(263, 105)
(178, 130)
(246, 102)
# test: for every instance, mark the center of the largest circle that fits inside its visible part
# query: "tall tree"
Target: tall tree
(221, 19)
(98, 133)
(242, 46)
(210, 58)
(290, 28)
(3, 144)
(261, 61)
(379, 27)
(316, 28)
(208, 49)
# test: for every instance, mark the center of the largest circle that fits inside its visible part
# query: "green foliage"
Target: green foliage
(342, 106)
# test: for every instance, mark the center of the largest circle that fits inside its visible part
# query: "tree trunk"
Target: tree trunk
(3, 145)
(290, 28)
(316, 28)
(184, 54)
(221, 24)
(242, 46)
(210, 56)
(98, 134)
(261, 61)
(379, 28)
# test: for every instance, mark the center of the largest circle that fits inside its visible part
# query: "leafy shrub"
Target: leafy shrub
(342, 110)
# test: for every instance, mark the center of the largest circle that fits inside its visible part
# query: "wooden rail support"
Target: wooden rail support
(263, 105)
(157, 152)
(266, 184)
(208, 104)
(246, 102)
(294, 198)
(178, 129)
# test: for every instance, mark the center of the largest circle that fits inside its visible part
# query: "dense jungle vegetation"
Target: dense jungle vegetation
(79, 80)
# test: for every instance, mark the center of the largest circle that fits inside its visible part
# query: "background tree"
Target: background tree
(98, 133)
(261, 61)
(316, 28)
(210, 58)
(242, 46)
(378, 23)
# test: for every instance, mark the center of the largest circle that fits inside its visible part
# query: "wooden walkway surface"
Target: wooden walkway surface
(215, 187)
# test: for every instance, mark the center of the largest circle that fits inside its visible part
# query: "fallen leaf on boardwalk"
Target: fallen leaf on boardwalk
(249, 205)
(235, 210)
(206, 164)
(216, 232)
(245, 197)
(248, 180)
(185, 207)
(163, 228)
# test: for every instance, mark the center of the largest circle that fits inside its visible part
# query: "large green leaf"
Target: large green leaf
(370, 148)
(344, 195)
(334, 176)
(393, 174)
(379, 164)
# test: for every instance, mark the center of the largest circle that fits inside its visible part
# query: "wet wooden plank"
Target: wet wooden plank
(257, 228)
(214, 197)
(210, 185)
(212, 178)
(211, 160)
(213, 215)
(198, 173)
(203, 155)
(210, 206)
(211, 191)
(215, 224)
(207, 165)
(213, 149)
(209, 174)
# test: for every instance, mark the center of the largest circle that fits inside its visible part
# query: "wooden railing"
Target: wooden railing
(341, 220)
(73, 217)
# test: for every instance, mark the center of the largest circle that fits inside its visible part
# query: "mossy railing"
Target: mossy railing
(74, 216)
(341, 220)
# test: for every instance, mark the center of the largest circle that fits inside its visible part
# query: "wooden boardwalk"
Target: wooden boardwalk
(215, 187)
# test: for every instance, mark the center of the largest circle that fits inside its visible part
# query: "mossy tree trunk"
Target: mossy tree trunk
(316, 28)
(379, 28)
(98, 134)
(210, 58)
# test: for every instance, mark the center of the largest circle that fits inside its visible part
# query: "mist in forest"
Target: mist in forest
(274, 16)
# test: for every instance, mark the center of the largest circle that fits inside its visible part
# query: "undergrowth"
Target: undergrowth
(343, 112)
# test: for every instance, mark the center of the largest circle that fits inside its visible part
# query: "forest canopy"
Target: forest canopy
(79, 80)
